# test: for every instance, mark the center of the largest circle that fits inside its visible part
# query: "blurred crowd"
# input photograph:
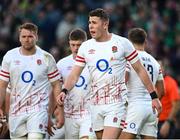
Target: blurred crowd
(56, 18)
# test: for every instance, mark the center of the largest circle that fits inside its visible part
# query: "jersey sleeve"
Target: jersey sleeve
(53, 72)
(80, 59)
(4, 72)
(131, 54)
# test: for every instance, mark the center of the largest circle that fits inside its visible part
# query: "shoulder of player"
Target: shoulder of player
(87, 42)
(11, 53)
(152, 58)
(14, 50)
(44, 53)
(121, 40)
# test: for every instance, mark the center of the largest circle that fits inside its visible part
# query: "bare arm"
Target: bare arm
(56, 89)
(7, 103)
(3, 86)
(69, 83)
(126, 77)
(160, 88)
(73, 77)
(52, 104)
(59, 115)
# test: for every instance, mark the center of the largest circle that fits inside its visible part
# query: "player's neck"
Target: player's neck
(105, 37)
(74, 56)
(139, 47)
(27, 52)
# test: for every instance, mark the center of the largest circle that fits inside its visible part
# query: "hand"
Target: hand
(165, 128)
(156, 105)
(4, 130)
(59, 116)
(50, 126)
(60, 98)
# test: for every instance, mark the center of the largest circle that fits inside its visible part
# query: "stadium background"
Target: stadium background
(55, 18)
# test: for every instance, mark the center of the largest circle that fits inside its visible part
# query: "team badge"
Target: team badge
(39, 62)
(114, 49)
(17, 62)
(115, 119)
(91, 51)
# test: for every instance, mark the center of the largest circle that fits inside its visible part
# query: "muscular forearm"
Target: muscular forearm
(2, 97)
(56, 89)
(160, 88)
(73, 77)
(3, 86)
(70, 82)
(51, 105)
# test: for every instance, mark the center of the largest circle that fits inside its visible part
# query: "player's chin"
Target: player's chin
(28, 46)
(93, 35)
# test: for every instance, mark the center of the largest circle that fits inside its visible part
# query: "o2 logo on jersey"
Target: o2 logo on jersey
(105, 67)
(81, 82)
(132, 125)
(27, 77)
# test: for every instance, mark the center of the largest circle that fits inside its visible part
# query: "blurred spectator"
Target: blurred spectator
(64, 27)
(82, 18)
(52, 18)
(170, 104)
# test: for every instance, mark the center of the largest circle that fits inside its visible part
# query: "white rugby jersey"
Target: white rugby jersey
(136, 89)
(30, 78)
(77, 101)
(106, 62)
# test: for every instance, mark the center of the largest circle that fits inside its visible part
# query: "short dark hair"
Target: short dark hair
(137, 35)
(99, 12)
(29, 26)
(78, 34)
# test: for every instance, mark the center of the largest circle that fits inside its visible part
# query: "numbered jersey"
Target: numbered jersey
(30, 78)
(77, 101)
(137, 90)
(106, 62)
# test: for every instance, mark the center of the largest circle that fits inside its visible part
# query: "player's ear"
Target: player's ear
(106, 24)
